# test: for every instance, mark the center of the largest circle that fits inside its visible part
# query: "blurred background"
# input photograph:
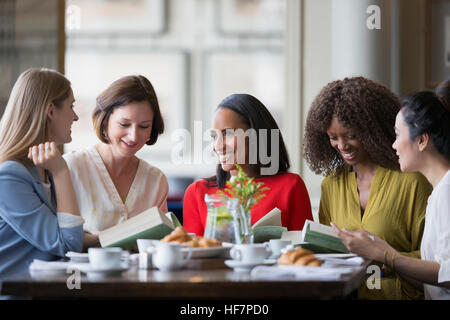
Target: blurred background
(196, 52)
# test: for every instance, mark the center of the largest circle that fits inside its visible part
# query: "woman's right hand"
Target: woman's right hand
(47, 156)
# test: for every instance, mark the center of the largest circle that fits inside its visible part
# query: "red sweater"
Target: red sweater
(287, 192)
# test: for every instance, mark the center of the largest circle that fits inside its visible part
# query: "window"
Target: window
(31, 35)
(195, 53)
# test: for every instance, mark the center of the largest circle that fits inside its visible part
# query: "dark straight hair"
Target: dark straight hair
(428, 112)
(256, 116)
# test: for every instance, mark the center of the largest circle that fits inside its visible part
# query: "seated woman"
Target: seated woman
(423, 145)
(110, 182)
(39, 215)
(287, 190)
(348, 137)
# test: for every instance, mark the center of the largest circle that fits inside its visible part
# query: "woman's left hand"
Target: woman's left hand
(364, 244)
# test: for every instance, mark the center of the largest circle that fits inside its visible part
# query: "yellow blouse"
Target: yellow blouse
(395, 212)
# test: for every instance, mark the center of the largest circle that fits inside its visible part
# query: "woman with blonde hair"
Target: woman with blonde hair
(39, 215)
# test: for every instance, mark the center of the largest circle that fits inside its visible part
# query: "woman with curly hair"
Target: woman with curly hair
(349, 136)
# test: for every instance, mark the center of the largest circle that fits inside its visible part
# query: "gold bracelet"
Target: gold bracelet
(393, 260)
(385, 253)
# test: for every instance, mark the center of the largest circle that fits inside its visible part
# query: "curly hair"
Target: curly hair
(361, 105)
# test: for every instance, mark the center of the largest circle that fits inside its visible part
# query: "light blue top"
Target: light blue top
(30, 228)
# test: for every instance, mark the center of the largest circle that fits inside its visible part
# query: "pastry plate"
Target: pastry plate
(213, 252)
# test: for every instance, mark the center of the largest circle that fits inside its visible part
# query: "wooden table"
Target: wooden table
(197, 284)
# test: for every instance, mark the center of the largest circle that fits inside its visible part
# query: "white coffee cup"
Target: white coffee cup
(105, 258)
(249, 253)
(168, 256)
(276, 245)
(145, 244)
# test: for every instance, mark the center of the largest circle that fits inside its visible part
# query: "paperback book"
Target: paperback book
(150, 224)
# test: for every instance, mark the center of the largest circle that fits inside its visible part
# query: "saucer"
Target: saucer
(239, 266)
(102, 273)
(78, 257)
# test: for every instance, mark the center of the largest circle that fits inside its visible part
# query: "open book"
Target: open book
(316, 237)
(150, 224)
(268, 227)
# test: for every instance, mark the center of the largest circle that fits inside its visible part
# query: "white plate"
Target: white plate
(239, 266)
(212, 252)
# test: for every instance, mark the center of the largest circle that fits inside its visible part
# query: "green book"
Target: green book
(320, 238)
(268, 227)
(150, 224)
(265, 233)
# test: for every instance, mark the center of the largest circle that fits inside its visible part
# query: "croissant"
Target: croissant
(299, 257)
(180, 235)
(208, 243)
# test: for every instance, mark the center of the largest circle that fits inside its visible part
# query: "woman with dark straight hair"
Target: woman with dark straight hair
(245, 133)
(422, 145)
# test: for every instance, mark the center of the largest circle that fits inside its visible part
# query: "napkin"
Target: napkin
(355, 261)
(53, 266)
(322, 273)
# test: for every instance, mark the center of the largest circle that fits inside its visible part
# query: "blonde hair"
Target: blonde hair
(24, 122)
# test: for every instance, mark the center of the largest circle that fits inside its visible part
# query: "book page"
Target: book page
(273, 218)
(145, 220)
(294, 236)
(174, 219)
(320, 228)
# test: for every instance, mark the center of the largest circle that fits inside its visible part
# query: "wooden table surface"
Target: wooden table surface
(221, 283)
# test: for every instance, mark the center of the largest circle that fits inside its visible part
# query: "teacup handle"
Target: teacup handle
(236, 254)
(269, 251)
(188, 256)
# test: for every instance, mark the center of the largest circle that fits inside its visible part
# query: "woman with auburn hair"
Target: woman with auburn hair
(39, 215)
(348, 137)
(235, 117)
(423, 144)
(112, 184)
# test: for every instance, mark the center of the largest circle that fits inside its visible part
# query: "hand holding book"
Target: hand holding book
(364, 244)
